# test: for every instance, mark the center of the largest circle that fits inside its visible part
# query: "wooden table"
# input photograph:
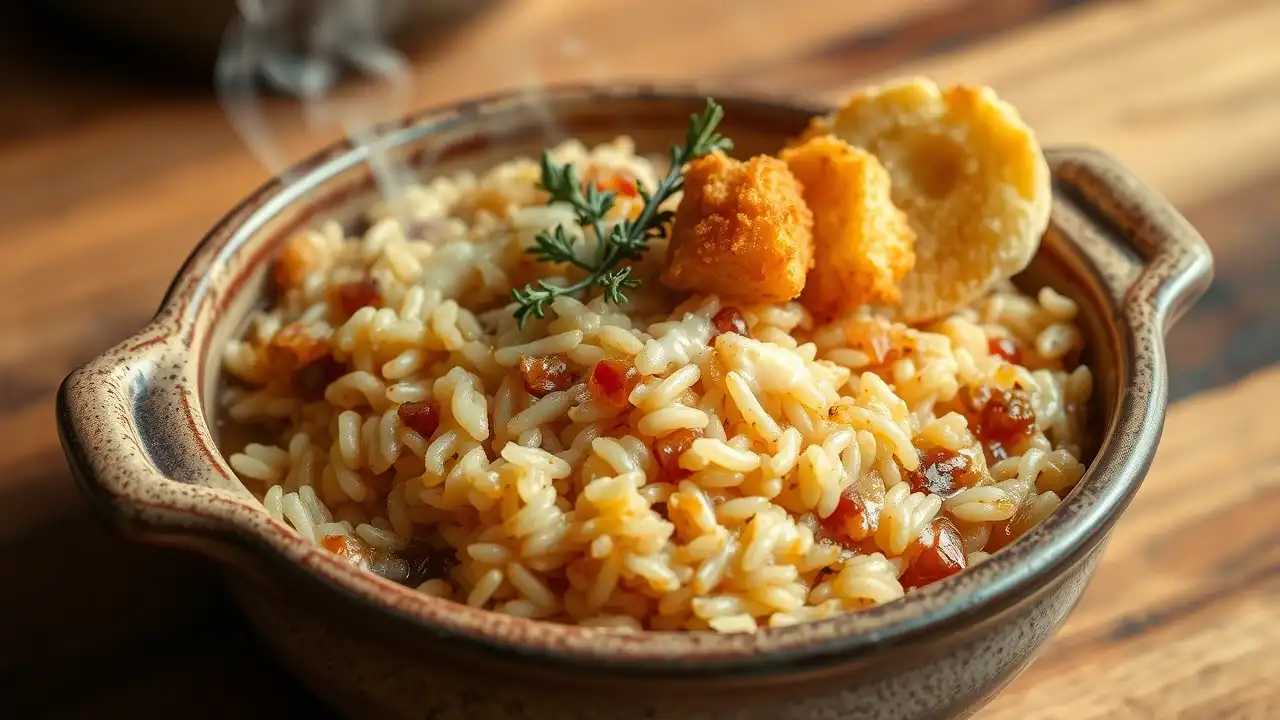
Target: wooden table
(108, 175)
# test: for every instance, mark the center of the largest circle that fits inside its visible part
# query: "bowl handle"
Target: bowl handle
(1158, 263)
(138, 444)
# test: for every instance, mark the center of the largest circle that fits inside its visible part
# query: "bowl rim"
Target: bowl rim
(1165, 267)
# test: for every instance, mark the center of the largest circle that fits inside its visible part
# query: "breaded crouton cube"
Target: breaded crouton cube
(742, 231)
(862, 243)
(968, 172)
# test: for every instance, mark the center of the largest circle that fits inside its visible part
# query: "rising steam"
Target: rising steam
(302, 49)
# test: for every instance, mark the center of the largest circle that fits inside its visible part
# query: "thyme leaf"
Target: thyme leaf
(623, 241)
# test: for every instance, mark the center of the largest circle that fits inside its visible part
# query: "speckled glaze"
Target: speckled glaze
(137, 426)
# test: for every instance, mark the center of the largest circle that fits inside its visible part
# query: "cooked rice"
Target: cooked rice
(556, 507)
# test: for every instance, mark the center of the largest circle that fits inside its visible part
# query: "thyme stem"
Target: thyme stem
(626, 240)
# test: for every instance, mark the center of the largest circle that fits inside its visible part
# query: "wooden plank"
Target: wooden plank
(824, 66)
(1235, 329)
(1168, 86)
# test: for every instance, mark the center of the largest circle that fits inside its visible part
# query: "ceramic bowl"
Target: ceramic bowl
(139, 427)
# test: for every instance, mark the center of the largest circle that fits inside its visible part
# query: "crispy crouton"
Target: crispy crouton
(862, 244)
(969, 174)
(742, 231)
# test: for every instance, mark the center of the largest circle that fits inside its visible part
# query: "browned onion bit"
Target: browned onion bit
(428, 562)
(422, 417)
(853, 520)
(311, 379)
(543, 374)
(612, 380)
(347, 298)
(943, 472)
(729, 320)
(1006, 348)
(294, 346)
(1000, 418)
(668, 450)
(937, 554)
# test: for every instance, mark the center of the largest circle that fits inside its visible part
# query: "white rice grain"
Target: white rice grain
(563, 342)
(671, 418)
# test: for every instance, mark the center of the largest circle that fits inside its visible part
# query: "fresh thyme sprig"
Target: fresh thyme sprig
(626, 240)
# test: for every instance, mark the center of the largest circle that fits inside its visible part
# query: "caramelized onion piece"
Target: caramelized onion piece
(422, 417)
(668, 450)
(938, 553)
(1001, 419)
(347, 298)
(944, 472)
(729, 320)
(612, 380)
(428, 562)
(311, 379)
(1006, 348)
(850, 522)
(544, 374)
(1006, 531)
(359, 553)
(1009, 416)
(418, 562)
(294, 346)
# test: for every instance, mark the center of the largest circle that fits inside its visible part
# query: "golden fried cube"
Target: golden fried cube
(742, 231)
(970, 176)
(862, 243)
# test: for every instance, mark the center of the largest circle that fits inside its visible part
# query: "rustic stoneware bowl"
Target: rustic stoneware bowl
(139, 427)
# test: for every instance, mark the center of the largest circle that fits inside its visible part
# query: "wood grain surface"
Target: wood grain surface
(111, 168)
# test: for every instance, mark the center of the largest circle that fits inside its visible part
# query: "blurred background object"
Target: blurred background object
(304, 49)
(188, 35)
